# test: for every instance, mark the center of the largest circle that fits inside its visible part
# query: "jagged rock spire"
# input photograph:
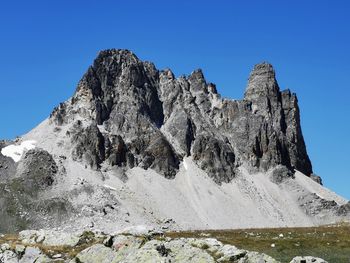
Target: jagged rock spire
(262, 82)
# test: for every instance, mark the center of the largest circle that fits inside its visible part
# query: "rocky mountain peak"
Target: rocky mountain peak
(262, 82)
(117, 55)
(159, 119)
(135, 144)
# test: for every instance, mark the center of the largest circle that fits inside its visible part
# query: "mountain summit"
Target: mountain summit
(164, 119)
(135, 145)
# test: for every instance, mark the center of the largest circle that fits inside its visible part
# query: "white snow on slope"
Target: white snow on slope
(16, 151)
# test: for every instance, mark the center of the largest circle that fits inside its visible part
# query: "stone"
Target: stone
(33, 254)
(181, 250)
(53, 238)
(211, 245)
(49, 238)
(255, 257)
(314, 205)
(126, 245)
(230, 253)
(308, 259)
(149, 253)
(31, 236)
(96, 253)
(281, 173)
(20, 249)
(129, 248)
(4, 247)
(8, 256)
(108, 241)
(316, 178)
(57, 256)
(36, 171)
(40, 239)
(344, 210)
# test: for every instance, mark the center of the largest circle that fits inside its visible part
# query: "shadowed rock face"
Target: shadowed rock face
(36, 171)
(159, 119)
(7, 165)
(276, 122)
(22, 203)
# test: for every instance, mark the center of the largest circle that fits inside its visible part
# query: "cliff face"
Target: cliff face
(128, 113)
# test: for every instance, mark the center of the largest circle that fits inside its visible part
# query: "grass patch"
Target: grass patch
(331, 242)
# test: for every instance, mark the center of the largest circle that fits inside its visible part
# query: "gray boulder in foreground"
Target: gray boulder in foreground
(308, 259)
(89, 247)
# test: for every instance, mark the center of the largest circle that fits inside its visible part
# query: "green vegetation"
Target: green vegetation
(331, 243)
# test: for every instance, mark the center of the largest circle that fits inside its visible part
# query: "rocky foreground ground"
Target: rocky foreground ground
(132, 245)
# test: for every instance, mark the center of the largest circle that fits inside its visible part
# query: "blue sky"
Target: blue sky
(46, 46)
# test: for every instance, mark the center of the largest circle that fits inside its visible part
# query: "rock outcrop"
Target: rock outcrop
(95, 247)
(308, 259)
(41, 246)
(7, 165)
(159, 119)
(22, 196)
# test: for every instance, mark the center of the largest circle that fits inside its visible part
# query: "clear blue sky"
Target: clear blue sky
(46, 46)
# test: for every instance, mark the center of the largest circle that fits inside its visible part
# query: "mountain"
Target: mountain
(137, 146)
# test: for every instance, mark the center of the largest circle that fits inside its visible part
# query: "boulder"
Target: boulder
(180, 250)
(34, 254)
(96, 253)
(228, 253)
(308, 259)
(126, 245)
(255, 257)
(8, 256)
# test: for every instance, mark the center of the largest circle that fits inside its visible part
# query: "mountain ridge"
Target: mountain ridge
(136, 146)
(114, 69)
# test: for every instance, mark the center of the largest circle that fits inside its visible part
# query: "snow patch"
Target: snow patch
(102, 129)
(216, 102)
(185, 164)
(16, 151)
(254, 108)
